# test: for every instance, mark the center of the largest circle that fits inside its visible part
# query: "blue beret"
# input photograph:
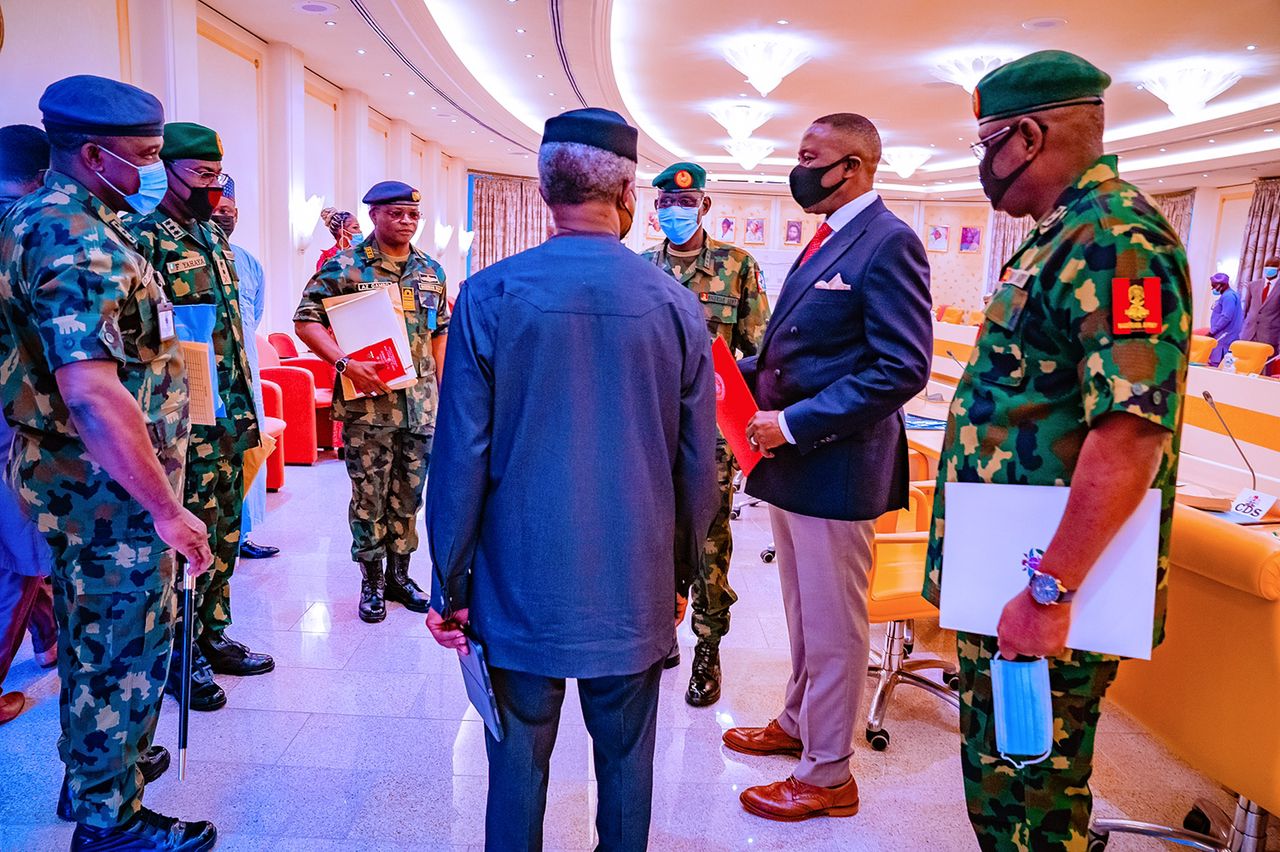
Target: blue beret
(391, 192)
(97, 106)
(24, 151)
(599, 128)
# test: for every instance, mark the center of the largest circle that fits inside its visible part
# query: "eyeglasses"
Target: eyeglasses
(980, 147)
(206, 177)
(688, 200)
(403, 215)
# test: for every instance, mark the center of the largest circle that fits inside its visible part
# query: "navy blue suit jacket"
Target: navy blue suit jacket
(575, 443)
(841, 364)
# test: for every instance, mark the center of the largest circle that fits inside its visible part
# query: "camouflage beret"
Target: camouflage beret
(680, 177)
(186, 140)
(1041, 80)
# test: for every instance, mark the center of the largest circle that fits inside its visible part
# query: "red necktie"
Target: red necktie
(1266, 291)
(824, 231)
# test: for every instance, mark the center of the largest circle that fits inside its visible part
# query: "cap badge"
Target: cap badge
(683, 179)
(415, 195)
(977, 103)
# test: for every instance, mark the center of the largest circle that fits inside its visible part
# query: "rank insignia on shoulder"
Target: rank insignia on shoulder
(173, 228)
(368, 252)
(1135, 306)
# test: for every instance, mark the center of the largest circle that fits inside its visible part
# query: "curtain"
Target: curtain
(508, 216)
(1176, 207)
(1262, 230)
(1007, 234)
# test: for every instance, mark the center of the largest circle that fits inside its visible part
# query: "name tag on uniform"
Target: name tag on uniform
(406, 300)
(223, 272)
(428, 281)
(164, 315)
(1019, 278)
(176, 266)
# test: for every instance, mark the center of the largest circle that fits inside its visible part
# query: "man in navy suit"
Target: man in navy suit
(850, 341)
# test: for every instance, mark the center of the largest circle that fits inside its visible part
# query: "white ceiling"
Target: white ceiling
(659, 62)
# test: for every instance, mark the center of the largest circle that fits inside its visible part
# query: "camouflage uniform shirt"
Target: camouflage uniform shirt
(1093, 317)
(420, 286)
(726, 279)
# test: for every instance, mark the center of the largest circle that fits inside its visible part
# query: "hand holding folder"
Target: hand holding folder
(735, 406)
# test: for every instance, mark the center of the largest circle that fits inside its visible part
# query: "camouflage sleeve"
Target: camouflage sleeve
(76, 302)
(320, 287)
(444, 314)
(1130, 305)
(753, 309)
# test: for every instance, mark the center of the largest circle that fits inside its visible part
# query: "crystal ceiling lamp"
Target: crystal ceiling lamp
(749, 152)
(905, 160)
(766, 59)
(741, 119)
(965, 70)
(1188, 84)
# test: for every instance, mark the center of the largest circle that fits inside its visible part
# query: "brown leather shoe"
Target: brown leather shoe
(792, 800)
(770, 739)
(11, 704)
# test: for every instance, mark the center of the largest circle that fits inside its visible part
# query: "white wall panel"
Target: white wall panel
(231, 103)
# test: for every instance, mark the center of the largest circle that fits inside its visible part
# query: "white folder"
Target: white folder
(991, 528)
(363, 319)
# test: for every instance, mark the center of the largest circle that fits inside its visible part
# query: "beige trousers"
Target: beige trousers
(824, 567)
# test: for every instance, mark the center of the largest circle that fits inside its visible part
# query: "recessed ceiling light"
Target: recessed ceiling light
(528, 56)
(1141, 87)
(1251, 47)
(1161, 180)
(784, 22)
(541, 76)
(453, 121)
(520, 30)
(473, 133)
(931, 145)
(330, 23)
(314, 7)
(360, 50)
(1164, 149)
(386, 73)
(1212, 141)
(742, 94)
(433, 106)
(552, 94)
(412, 93)
(1269, 130)
(1044, 23)
(1206, 174)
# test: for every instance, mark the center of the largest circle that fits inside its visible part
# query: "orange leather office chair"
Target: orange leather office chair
(1251, 355)
(1201, 348)
(897, 577)
(953, 314)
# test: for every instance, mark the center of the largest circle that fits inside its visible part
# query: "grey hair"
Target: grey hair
(573, 173)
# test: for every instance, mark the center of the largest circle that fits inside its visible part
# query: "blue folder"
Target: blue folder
(195, 325)
(475, 673)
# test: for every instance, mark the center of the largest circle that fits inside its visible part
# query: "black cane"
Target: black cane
(184, 694)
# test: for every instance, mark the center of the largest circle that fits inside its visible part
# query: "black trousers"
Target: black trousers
(622, 717)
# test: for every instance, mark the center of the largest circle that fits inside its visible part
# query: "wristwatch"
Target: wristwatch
(1047, 590)
(340, 366)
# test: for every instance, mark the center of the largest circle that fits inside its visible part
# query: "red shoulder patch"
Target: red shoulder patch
(1135, 306)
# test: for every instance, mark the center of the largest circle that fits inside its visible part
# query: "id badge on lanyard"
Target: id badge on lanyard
(164, 314)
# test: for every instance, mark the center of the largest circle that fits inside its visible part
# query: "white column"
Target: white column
(1200, 251)
(353, 148)
(283, 183)
(400, 154)
(162, 54)
(455, 209)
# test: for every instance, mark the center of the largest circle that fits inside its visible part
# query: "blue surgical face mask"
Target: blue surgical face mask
(1023, 707)
(1270, 271)
(153, 183)
(679, 223)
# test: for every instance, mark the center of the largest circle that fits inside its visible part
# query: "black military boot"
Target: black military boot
(206, 695)
(373, 589)
(153, 762)
(147, 831)
(400, 586)
(704, 683)
(229, 657)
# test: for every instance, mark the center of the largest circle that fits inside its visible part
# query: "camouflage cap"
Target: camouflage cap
(680, 177)
(186, 140)
(1041, 80)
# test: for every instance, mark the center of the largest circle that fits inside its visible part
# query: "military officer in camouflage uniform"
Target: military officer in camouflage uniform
(726, 279)
(193, 256)
(387, 432)
(1077, 380)
(93, 383)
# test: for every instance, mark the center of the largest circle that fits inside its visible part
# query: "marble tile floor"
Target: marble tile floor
(362, 739)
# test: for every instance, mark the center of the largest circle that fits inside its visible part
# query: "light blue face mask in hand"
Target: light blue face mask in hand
(1023, 706)
(153, 183)
(679, 223)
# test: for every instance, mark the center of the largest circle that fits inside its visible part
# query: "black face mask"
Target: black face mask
(806, 183)
(203, 199)
(226, 223)
(996, 187)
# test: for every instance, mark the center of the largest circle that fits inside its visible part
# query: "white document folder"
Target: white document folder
(360, 322)
(991, 528)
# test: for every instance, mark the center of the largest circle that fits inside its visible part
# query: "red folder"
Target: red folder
(384, 355)
(735, 406)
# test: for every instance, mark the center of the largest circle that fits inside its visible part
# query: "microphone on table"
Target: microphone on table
(952, 356)
(1222, 420)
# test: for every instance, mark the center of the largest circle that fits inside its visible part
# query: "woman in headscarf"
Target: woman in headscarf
(345, 229)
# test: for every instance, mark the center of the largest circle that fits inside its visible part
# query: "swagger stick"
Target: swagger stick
(184, 694)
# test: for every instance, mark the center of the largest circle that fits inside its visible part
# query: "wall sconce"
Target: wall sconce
(765, 59)
(749, 152)
(1186, 85)
(305, 216)
(905, 160)
(444, 233)
(465, 239)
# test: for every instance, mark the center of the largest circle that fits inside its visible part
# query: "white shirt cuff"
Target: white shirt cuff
(782, 424)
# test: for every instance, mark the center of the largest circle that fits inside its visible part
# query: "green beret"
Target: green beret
(1041, 80)
(186, 140)
(681, 176)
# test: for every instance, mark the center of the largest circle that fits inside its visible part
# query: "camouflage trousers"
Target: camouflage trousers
(711, 595)
(1044, 807)
(113, 654)
(388, 470)
(215, 495)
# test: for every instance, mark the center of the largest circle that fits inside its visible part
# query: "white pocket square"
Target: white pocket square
(833, 284)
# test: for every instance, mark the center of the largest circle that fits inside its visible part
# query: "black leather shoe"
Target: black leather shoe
(672, 661)
(373, 588)
(249, 550)
(146, 832)
(229, 657)
(704, 683)
(206, 695)
(400, 587)
(153, 763)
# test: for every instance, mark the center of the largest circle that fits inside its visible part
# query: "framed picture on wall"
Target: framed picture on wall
(652, 230)
(937, 237)
(726, 229)
(755, 232)
(793, 234)
(970, 240)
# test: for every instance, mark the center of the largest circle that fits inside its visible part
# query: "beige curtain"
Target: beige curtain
(508, 216)
(1007, 234)
(1262, 231)
(1176, 207)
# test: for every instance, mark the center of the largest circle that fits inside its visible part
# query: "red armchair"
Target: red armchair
(274, 425)
(283, 344)
(324, 376)
(298, 404)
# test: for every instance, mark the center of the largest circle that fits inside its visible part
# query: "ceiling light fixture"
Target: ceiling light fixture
(412, 93)
(904, 160)
(966, 69)
(541, 76)
(749, 152)
(1251, 47)
(528, 56)
(1269, 130)
(740, 119)
(360, 50)
(520, 30)
(765, 58)
(1044, 23)
(330, 23)
(783, 21)
(386, 73)
(1187, 85)
(315, 7)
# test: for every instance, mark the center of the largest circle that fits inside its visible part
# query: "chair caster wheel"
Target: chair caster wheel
(1198, 821)
(879, 739)
(734, 514)
(953, 681)
(767, 556)
(1097, 842)
(907, 648)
